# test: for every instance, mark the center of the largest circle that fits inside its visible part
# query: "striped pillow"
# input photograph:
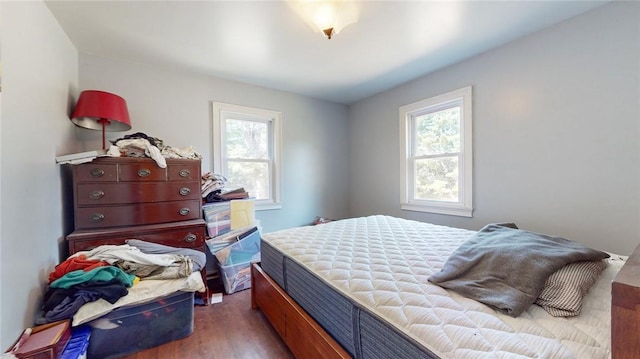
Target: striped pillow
(564, 290)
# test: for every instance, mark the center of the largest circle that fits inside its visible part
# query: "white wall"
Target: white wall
(176, 107)
(556, 133)
(40, 74)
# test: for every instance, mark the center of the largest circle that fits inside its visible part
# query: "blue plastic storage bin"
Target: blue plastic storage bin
(133, 328)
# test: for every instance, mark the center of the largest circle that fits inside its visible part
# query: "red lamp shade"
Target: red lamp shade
(100, 110)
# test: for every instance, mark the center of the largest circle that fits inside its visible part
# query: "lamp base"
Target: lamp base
(104, 122)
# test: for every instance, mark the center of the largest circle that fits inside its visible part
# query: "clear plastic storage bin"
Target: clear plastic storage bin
(235, 261)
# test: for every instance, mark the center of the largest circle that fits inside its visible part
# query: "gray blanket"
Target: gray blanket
(506, 268)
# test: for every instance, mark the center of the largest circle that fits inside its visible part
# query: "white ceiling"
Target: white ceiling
(267, 44)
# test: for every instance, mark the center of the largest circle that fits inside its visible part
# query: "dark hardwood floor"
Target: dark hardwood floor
(227, 330)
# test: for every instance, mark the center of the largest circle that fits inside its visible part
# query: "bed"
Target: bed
(359, 288)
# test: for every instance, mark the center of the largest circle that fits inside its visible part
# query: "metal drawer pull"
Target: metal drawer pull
(184, 211)
(144, 172)
(184, 173)
(184, 191)
(97, 172)
(97, 194)
(190, 238)
(97, 217)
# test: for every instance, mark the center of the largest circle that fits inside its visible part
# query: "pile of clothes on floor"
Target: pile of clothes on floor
(108, 272)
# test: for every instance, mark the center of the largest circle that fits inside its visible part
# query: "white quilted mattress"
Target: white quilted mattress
(382, 263)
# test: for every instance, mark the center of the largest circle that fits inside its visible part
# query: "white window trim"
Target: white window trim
(218, 108)
(464, 208)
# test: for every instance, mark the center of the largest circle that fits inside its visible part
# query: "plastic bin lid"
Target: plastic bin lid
(78, 343)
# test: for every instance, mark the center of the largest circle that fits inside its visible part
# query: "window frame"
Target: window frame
(408, 200)
(274, 120)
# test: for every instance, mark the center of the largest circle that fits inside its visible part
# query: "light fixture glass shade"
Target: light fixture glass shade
(102, 111)
(328, 17)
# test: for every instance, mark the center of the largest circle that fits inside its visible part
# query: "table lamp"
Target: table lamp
(100, 110)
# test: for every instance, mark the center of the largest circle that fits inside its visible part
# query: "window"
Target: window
(246, 151)
(436, 154)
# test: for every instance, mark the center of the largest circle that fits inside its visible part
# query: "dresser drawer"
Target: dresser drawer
(95, 172)
(144, 171)
(189, 234)
(135, 214)
(103, 193)
(184, 171)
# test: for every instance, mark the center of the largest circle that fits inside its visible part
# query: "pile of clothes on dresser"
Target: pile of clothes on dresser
(97, 281)
(140, 144)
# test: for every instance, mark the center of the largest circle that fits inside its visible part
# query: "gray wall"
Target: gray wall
(556, 133)
(556, 138)
(38, 95)
(40, 74)
(176, 107)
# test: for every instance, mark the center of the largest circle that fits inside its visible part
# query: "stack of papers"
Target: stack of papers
(81, 157)
(223, 241)
(218, 218)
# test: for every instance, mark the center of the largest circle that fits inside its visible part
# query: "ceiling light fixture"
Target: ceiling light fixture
(328, 17)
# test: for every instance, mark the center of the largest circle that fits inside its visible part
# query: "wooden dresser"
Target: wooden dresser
(116, 199)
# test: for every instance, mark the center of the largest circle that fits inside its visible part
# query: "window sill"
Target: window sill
(447, 210)
(267, 206)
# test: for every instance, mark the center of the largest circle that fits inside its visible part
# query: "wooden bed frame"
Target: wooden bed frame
(298, 330)
(307, 339)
